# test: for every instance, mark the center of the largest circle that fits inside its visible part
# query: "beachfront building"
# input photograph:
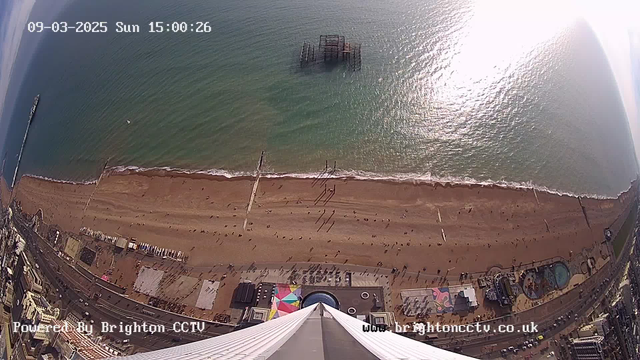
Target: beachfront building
(587, 330)
(601, 324)
(257, 315)
(315, 332)
(385, 319)
(73, 344)
(587, 348)
(623, 330)
(37, 311)
(29, 278)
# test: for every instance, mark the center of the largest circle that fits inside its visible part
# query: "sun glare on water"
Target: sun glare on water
(498, 37)
(502, 35)
(479, 62)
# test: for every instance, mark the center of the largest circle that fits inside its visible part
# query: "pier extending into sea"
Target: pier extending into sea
(36, 100)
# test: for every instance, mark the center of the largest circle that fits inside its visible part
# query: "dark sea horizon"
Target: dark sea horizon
(448, 91)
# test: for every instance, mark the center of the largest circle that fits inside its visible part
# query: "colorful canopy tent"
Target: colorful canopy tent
(286, 299)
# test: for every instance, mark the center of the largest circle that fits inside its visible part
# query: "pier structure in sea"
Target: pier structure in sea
(34, 106)
(332, 49)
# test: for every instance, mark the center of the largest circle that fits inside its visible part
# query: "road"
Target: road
(110, 306)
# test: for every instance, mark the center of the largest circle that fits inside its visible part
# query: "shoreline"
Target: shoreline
(403, 178)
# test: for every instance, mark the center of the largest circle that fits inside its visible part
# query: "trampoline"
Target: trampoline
(562, 274)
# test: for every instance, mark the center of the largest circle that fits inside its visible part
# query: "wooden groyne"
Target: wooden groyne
(254, 190)
(104, 168)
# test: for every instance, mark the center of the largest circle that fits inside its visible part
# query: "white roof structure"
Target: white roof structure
(471, 294)
(317, 332)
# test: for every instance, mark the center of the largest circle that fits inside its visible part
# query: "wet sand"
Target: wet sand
(364, 222)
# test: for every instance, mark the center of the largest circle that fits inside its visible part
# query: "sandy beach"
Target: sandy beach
(363, 222)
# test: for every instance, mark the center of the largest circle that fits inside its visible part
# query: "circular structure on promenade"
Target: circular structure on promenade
(364, 295)
(562, 274)
(539, 282)
(351, 311)
(320, 297)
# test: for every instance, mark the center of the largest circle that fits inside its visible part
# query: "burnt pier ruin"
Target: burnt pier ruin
(332, 49)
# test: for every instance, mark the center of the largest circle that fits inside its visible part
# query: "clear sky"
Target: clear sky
(612, 20)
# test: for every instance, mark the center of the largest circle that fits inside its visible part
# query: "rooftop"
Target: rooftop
(317, 332)
(82, 343)
(595, 338)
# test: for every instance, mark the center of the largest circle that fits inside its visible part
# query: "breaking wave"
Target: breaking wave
(88, 182)
(415, 178)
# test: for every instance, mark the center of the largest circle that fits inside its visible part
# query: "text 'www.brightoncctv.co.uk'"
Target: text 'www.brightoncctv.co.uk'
(435, 328)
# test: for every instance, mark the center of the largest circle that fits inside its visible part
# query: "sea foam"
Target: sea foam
(414, 178)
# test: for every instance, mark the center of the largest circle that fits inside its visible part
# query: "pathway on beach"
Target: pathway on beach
(254, 190)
